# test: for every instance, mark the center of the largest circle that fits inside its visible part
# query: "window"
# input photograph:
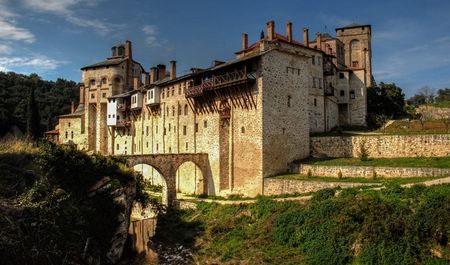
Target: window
(352, 94)
(164, 130)
(179, 110)
(103, 80)
(162, 94)
(156, 147)
(179, 89)
(314, 82)
(146, 144)
(92, 95)
(284, 130)
(173, 91)
(69, 124)
(184, 130)
(169, 127)
(320, 82)
(242, 129)
(117, 147)
(315, 102)
(355, 64)
(186, 146)
(313, 59)
(92, 82)
(196, 127)
(288, 101)
(185, 109)
(146, 130)
(341, 76)
(319, 59)
(174, 129)
(109, 115)
(173, 110)
(104, 95)
(67, 135)
(342, 93)
(205, 124)
(167, 111)
(71, 135)
(156, 128)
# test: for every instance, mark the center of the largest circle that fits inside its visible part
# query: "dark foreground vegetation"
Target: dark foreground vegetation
(393, 226)
(48, 212)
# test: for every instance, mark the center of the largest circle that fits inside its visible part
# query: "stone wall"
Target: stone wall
(382, 146)
(276, 186)
(369, 172)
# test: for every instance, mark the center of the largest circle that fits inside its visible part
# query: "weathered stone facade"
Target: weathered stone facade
(252, 116)
(382, 145)
(372, 172)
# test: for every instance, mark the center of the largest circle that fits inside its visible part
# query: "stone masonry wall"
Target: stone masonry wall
(369, 172)
(382, 146)
(274, 186)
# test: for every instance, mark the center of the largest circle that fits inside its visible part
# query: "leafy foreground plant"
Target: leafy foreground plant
(392, 226)
(58, 218)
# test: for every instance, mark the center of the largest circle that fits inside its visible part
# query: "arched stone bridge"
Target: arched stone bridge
(168, 164)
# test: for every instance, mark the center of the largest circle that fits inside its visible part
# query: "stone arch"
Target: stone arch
(189, 178)
(151, 173)
(168, 164)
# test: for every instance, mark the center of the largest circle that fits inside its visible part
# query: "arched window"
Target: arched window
(354, 44)
(173, 110)
(185, 109)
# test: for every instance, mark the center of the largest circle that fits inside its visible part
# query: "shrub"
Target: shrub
(363, 152)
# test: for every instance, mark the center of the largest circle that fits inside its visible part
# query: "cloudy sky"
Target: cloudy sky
(55, 38)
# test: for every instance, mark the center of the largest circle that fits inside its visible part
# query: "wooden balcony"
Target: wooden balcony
(232, 78)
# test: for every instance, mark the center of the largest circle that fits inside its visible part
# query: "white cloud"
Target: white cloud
(8, 26)
(151, 35)
(4, 49)
(38, 63)
(3, 69)
(65, 8)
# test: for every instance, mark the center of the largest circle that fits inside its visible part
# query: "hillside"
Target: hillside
(53, 99)
(61, 206)
(392, 226)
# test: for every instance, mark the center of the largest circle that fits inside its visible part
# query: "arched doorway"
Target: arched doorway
(152, 177)
(189, 179)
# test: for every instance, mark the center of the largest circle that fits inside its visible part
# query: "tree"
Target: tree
(385, 100)
(33, 118)
(443, 95)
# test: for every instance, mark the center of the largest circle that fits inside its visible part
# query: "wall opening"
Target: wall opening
(189, 179)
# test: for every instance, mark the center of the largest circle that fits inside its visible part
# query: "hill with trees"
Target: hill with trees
(53, 98)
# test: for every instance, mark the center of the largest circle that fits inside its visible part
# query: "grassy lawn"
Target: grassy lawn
(438, 162)
(440, 104)
(414, 127)
(379, 180)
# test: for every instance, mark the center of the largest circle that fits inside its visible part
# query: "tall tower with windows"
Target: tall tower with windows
(357, 41)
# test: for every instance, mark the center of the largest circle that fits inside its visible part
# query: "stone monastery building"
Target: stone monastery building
(252, 115)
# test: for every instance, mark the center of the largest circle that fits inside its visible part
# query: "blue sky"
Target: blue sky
(55, 38)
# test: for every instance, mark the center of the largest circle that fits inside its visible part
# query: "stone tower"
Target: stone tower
(357, 41)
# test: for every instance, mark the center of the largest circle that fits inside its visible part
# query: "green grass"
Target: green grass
(414, 127)
(390, 226)
(436, 162)
(440, 104)
(378, 180)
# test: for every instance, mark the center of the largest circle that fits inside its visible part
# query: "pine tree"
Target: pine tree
(33, 118)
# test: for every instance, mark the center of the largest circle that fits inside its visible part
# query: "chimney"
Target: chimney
(72, 107)
(173, 70)
(82, 94)
(271, 30)
(136, 82)
(128, 49)
(244, 41)
(153, 75)
(289, 31)
(147, 79)
(319, 40)
(161, 71)
(306, 36)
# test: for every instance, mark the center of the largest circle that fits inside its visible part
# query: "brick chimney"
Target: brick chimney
(161, 71)
(271, 30)
(82, 94)
(244, 41)
(306, 36)
(173, 70)
(147, 79)
(153, 75)
(319, 40)
(136, 82)
(289, 31)
(72, 106)
(128, 49)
